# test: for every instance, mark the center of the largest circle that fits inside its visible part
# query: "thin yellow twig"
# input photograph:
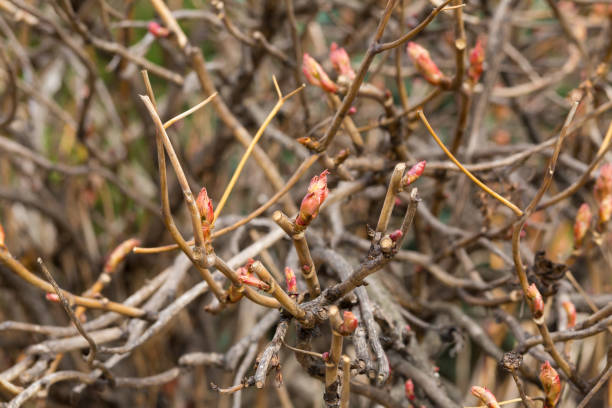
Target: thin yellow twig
(188, 112)
(479, 183)
(247, 153)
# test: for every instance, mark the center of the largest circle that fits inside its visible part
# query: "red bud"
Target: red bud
(582, 223)
(551, 383)
(409, 389)
(414, 173)
(52, 297)
(315, 74)
(349, 323)
(254, 281)
(477, 57)
(424, 64)
(291, 281)
(396, 235)
(537, 303)
(317, 193)
(205, 206)
(157, 30)
(570, 309)
(603, 192)
(341, 61)
(485, 396)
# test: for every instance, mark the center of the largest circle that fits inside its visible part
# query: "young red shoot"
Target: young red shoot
(317, 193)
(537, 303)
(485, 396)
(315, 75)
(477, 57)
(341, 61)
(582, 224)
(414, 173)
(551, 383)
(424, 64)
(158, 30)
(409, 389)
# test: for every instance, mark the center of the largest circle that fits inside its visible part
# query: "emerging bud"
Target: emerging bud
(315, 74)
(254, 281)
(485, 396)
(414, 173)
(119, 253)
(603, 192)
(157, 30)
(349, 323)
(582, 224)
(2, 243)
(570, 309)
(424, 64)
(52, 297)
(291, 281)
(341, 61)
(409, 389)
(537, 303)
(551, 383)
(205, 206)
(605, 209)
(325, 356)
(317, 193)
(396, 235)
(477, 56)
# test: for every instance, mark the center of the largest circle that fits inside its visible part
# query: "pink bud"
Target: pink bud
(252, 280)
(582, 223)
(424, 64)
(205, 206)
(52, 297)
(603, 192)
(551, 383)
(537, 303)
(341, 61)
(485, 396)
(119, 253)
(291, 281)
(349, 323)
(414, 173)
(352, 110)
(315, 74)
(317, 193)
(2, 244)
(477, 57)
(325, 356)
(570, 309)
(157, 30)
(605, 209)
(395, 235)
(409, 389)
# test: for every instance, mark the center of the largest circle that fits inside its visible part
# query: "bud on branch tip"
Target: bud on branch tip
(424, 64)
(582, 223)
(315, 74)
(341, 61)
(485, 396)
(477, 57)
(537, 303)
(551, 383)
(409, 389)
(414, 173)
(317, 193)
